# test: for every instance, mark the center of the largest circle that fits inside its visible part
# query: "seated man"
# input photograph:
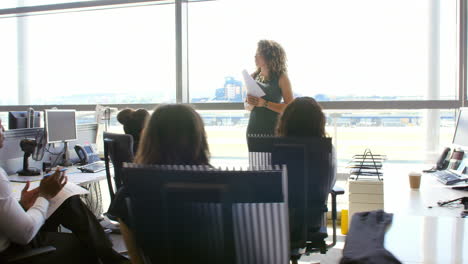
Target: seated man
(23, 221)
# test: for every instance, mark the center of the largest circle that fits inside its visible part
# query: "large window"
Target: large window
(397, 134)
(8, 62)
(113, 56)
(338, 50)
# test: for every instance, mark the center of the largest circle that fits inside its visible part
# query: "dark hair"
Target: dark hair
(303, 117)
(275, 58)
(174, 134)
(133, 122)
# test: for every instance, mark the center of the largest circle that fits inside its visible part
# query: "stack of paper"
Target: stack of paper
(252, 86)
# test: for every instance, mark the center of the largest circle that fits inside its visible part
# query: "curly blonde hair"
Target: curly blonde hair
(275, 57)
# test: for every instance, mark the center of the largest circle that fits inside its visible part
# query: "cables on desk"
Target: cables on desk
(463, 200)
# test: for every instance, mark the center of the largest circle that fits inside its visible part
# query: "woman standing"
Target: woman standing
(271, 76)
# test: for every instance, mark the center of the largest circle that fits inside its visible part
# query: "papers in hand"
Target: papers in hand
(67, 191)
(252, 86)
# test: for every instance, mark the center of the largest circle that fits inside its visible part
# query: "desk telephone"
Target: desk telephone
(450, 167)
(89, 158)
(442, 162)
(87, 153)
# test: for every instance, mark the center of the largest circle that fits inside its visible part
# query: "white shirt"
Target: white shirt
(16, 225)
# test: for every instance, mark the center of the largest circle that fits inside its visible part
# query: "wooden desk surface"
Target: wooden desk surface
(400, 199)
(429, 239)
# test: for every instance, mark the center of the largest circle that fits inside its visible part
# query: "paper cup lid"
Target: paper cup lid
(414, 173)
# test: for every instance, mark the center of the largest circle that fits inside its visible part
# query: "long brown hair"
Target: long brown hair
(303, 117)
(275, 58)
(174, 134)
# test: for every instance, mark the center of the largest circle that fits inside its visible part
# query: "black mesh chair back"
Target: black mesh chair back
(310, 179)
(198, 214)
(118, 148)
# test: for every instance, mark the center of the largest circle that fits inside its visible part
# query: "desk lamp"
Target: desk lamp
(28, 146)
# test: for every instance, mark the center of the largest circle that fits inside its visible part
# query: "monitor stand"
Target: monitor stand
(66, 156)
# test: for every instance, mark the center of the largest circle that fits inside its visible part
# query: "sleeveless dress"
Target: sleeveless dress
(263, 120)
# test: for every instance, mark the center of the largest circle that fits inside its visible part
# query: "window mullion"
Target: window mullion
(182, 86)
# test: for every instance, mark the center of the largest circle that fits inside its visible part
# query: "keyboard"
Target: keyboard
(447, 177)
(93, 167)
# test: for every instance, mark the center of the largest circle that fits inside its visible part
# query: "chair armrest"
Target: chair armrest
(30, 253)
(337, 190)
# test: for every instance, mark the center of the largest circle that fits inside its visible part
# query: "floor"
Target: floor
(333, 255)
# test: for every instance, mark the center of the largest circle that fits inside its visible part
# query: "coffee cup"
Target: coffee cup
(414, 179)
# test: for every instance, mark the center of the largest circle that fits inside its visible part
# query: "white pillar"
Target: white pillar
(22, 56)
(432, 124)
(181, 17)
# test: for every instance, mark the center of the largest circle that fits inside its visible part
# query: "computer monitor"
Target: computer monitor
(60, 125)
(19, 119)
(460, 137)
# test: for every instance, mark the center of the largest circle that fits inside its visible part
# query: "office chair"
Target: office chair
(198, 214)
(118, 148)
(28, 255)
(310, 180)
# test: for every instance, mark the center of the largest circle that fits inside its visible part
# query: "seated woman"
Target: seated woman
(174, 135)
(304, 117)
(133, 122)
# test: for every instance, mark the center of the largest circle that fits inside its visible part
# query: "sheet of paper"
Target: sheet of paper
(252, 86)
(67, 191)
(84, 178)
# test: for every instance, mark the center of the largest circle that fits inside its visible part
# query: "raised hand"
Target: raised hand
(52, 185)
(255, 101)
(28, 197)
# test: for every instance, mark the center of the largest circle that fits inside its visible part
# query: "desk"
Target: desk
(89, 180)
(420, 234)
(74, 175)
(400, 199)
(428, 239)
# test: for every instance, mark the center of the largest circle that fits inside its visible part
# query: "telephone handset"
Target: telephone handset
(442, 162)
(87, 153)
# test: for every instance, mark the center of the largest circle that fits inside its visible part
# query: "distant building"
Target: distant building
(231, 92)
(322, 97)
